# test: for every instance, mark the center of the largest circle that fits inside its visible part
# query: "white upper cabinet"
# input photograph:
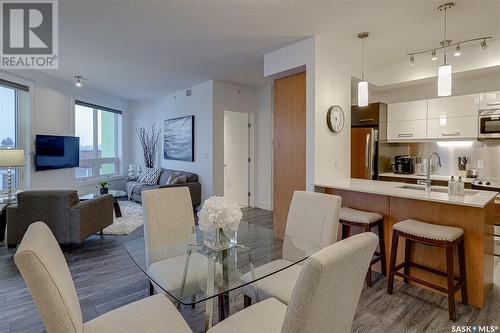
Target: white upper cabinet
(407, 130)
(489, 100)
(407, 111)
(453, 117)
(407, 121)
(452, 128)
(455, 106)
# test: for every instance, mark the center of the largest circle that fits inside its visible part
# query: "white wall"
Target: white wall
(199, 104)
(141, 114)
(473, 57)
(263, 153)
(52, 112)
(208, 103)
(334, 67)
(462, 85)
(290, 59)
(236, 98)
(328, 81)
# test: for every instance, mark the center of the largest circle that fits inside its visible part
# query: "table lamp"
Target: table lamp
(11, 158)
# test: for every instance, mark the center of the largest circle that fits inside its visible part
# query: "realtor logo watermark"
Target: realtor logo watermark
(29, 34)
(474, 329)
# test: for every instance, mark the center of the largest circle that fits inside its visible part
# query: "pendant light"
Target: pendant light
(444, 71)
(363, 85)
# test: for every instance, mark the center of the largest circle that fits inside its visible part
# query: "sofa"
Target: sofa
(70, 220)
(135, 188)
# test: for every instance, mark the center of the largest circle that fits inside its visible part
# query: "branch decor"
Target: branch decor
(149, 139)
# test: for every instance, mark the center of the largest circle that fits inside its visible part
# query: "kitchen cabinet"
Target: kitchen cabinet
(452, 128)
(453, 117)
(371, 115)
(407, 130)
(407, 111)
(407, 121)
(455, 106)
(445, 118)
(489, 100)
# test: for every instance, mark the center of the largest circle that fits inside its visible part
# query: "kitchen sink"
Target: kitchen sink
(440, 189)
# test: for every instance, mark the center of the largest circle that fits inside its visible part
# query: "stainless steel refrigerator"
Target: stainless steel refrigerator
(368, 127)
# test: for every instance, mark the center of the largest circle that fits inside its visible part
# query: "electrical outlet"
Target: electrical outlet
(480, 164)
(205, 155)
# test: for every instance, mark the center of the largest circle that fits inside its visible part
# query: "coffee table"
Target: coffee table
(115, 193)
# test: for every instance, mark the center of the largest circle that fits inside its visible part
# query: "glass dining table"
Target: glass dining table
(190, 272)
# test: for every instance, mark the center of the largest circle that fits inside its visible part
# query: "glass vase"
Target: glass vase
(220, 239)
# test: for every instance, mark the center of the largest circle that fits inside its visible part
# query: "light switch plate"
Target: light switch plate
(480, 164)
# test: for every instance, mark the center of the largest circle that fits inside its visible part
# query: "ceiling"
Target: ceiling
(150, 48)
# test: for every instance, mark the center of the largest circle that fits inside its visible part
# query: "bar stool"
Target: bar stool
(434, 235)
(367, 220)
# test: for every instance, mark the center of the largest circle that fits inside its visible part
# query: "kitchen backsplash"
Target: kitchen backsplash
(487, 151)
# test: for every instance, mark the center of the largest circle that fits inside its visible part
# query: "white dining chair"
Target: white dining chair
(325, 296)
(46, 273)
(169, 220)
(312, 224)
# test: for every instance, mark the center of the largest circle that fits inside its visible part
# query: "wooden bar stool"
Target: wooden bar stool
(367, 220)
(433, 235)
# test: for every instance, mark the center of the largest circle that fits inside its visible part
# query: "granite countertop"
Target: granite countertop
(472, 198)
(433, 177)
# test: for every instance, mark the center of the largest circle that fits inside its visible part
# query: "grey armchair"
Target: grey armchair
(70, 220)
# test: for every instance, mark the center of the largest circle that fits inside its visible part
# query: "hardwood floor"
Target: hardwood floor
(107, 278)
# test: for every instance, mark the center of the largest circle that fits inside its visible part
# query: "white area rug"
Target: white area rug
(131, 219)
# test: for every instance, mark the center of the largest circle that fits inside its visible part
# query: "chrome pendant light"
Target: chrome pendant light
(444, 71)
(363, 85)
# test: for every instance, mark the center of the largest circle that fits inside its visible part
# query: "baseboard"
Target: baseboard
(264, 205)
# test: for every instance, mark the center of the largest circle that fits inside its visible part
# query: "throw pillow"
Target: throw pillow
(176, 179)
(150, 176)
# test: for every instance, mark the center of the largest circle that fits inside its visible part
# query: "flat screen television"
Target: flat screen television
(56, 152)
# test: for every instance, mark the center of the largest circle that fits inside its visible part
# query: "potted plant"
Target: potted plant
(103, 187)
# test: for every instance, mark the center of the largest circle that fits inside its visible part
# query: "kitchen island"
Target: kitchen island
(472, 212)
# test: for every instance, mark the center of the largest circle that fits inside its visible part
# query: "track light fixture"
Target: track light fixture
(445, 70)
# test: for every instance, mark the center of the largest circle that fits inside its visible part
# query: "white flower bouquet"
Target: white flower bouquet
(219, 219)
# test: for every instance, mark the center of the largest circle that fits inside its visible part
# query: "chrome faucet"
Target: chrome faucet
(428, 166)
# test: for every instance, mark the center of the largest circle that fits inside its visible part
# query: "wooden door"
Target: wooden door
(289, 145)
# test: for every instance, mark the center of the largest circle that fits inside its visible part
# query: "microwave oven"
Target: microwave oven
(489, 124)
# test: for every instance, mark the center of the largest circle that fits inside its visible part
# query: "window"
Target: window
(100, 138)
(12, 95)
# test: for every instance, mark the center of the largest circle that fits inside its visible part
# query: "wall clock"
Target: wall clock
(335, 118)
